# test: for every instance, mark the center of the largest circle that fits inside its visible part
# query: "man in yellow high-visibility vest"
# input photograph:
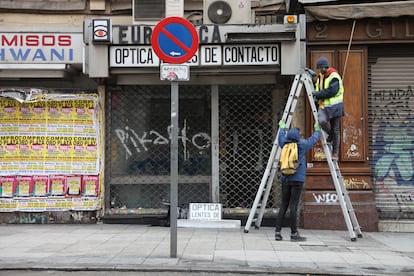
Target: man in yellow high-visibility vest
(329, 91)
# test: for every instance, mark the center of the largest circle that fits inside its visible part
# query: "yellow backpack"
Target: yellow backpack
(289, 158)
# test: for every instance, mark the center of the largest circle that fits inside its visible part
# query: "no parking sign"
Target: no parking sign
(174, 40)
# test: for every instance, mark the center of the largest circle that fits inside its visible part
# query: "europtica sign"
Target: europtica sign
(132, 49)
(212, 55)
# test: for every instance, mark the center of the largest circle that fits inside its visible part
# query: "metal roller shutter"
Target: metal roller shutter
(391, 112)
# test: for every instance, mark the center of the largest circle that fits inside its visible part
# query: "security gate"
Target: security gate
(138, 145)
(246, 139)
(391, 125)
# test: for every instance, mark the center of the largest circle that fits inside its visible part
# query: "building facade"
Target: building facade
(228, 109)
(370, 45)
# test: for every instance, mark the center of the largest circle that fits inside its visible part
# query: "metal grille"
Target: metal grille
(138, 146)
(245, 119)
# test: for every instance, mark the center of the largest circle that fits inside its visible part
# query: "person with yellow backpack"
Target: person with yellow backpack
(292, 181)
(329, 91)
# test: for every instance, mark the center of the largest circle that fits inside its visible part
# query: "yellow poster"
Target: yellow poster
(84, 112)
(38, 144)
(65, 149)
(91, 150)
(12, 151)
(3, 143)
(25, 147)
(52, 148)
(26, 113)
(67, 112)
(54, 113)
(40, 113)
(49, 136)
(9, 111)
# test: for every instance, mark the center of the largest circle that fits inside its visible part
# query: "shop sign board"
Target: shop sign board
(41, 48)
(207, 55)
(205, 211)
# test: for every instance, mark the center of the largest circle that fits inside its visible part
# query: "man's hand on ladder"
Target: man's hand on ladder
(311, 72)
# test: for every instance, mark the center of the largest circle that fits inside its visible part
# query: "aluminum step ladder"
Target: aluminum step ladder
(259, 204)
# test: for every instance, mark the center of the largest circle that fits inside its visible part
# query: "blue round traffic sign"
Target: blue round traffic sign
(174, 40)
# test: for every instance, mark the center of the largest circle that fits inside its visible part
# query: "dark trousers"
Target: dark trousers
(332, 127)
(291, 192)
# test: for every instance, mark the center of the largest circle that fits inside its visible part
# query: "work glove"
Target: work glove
(282, 124)
(316, 127)
(311, 72)
(315, 96)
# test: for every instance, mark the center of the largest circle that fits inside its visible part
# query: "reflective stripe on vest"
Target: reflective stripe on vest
(338, 98)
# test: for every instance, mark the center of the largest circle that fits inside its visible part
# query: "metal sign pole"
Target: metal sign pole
(174, 169)
(171, 36)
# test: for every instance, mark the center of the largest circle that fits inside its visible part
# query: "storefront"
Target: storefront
(50, 163)
(229, 108)
(374, 56)
(63, 89)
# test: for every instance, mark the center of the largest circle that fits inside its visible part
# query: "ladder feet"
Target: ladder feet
(353, 239)
(246, 231)
(359, 235)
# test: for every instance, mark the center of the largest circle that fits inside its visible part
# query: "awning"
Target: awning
(357, 11)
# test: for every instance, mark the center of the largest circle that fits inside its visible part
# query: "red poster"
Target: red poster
(40, 185)
(24, 185)
(57, 185)
(8, 186)
(90, 184)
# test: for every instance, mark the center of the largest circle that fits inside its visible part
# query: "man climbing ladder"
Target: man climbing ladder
(262, 195)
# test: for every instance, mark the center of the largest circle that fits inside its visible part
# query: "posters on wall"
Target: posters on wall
(48, 137)
(49, 154)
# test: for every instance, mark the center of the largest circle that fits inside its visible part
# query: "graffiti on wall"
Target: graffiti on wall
(393, 144)
(133, 142)
(355, 183)
(139, 149)
(325, 197)
(330, 197)
(394, 137)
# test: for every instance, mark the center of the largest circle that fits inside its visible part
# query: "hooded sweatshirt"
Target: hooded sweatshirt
(304, 145)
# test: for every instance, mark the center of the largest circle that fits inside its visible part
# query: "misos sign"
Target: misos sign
(41, 48)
